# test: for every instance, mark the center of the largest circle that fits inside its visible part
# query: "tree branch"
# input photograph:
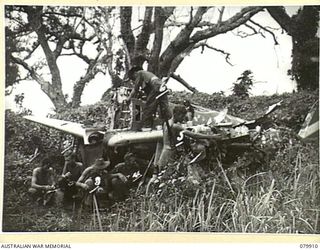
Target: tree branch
(279, 14)
(221, 14)
(45, 86)
(143, 38)
(160, 17)
(180, 43)
(185, 39)
(34, 47)
(198, 16)
(191, 16)
(179, 24)
(235, 21)
(184, 83)
(203, 45)
(179, 58)
(267, 30)
(90, 74)
(125, 28)
(54, 90)
(48, 13)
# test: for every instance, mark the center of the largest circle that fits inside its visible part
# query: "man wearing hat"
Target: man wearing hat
(98, 177)
(150, 84)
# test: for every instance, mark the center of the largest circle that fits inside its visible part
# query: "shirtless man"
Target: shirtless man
(42, 180)
(71, 172)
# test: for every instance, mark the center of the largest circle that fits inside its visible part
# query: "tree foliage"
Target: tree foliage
(44, 34)
(110, 40)
(243, 84)
(116, 36)
(12, 71)
(302, 27)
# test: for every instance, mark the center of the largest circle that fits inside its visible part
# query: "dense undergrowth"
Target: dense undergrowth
(278, 194)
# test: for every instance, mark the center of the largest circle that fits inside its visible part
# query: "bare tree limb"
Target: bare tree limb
(138, 27)
(81, 55)
(55, 88)
(191, 16)
(198, 16)
(202, 24)
(48, 13)
(188, 38)
(235, 21)
(45, 86)
(252, 29)
(203, 44)
(267, 30)
(184, 83)
(167, 12)
(221, 14)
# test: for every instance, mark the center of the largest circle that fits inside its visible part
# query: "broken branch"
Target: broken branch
(184, 83)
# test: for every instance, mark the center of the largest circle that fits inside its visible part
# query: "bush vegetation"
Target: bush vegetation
(279, 194)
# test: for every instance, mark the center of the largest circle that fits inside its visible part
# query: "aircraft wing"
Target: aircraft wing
(73, 128)
(131, 137)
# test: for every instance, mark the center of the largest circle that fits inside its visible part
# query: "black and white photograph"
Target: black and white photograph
(201, 119)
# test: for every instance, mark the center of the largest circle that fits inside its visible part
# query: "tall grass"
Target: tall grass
(284, 199)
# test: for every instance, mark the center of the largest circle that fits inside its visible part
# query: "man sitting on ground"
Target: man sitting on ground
(42, 181)
(97, 177)
(133, 168)
(71, 172)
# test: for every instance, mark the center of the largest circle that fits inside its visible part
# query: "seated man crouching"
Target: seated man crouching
(42, 182)
(71, 172)
(97, 178)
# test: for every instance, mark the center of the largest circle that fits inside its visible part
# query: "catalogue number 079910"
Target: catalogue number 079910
(309, 246)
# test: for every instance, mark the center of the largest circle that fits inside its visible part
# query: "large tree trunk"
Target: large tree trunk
(302, 27)
(53, 90)
(159, 20)
(79, 86)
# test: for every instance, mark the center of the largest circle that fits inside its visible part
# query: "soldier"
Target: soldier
(97, 177)
(156, 93)
(151, 85)
(190, 110)
(72, 169)
(133, 168)
(42, 181)
(71, 172)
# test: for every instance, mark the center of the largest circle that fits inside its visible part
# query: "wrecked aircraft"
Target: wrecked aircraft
(119, 136)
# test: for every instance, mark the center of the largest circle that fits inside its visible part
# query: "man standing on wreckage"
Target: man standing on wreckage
(156, 93)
